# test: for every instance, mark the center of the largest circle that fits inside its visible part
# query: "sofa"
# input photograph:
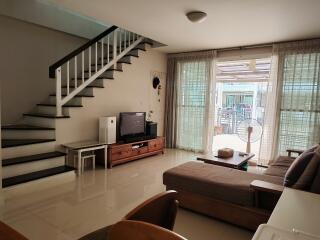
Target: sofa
(242, 198)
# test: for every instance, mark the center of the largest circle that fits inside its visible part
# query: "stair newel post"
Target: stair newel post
(58, 92)
(114, 45)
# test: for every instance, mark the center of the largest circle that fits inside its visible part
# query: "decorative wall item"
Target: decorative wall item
(157, 77)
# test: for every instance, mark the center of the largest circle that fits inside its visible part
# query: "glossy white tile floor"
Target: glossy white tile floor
(99, 198)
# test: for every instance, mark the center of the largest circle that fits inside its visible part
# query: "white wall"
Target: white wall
(130, 91)
(27, 51)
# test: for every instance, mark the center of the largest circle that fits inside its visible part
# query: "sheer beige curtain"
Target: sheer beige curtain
(292, 116)
(188, 97)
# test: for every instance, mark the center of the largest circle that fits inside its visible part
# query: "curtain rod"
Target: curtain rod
(248, 46)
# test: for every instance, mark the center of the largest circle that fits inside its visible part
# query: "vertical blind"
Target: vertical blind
(299, 125)
(192, 98)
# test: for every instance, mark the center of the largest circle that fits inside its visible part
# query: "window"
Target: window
(192, 95)
(300, 103)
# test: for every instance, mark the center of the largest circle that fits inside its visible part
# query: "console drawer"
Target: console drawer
(155, 145)
(119, 153)
(139, 151)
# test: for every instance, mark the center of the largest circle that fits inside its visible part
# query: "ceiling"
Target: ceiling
(230, 22)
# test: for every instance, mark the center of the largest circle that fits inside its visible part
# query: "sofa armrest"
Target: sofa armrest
(292, 150)
(262, 186)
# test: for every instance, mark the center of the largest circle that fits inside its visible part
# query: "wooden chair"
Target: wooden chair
(160, 210)
(8, 233)
(138, 230)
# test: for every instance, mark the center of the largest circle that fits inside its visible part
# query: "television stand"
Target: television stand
(119, 153)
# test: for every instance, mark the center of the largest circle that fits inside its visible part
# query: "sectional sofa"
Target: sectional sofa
(239, 197)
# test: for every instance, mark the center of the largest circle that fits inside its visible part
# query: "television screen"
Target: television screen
(132, 124)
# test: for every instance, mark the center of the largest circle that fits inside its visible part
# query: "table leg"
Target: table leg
(105, 157)
(79, 162)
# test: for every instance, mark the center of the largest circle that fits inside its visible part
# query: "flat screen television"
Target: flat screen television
(132, 126)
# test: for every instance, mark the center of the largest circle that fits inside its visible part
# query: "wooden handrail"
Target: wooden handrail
(53, 67)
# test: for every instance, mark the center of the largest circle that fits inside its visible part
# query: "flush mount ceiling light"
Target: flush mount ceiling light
(196, 16)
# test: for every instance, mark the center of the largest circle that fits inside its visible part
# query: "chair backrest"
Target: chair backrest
(141, 231)
(160, 210)
(8, 233)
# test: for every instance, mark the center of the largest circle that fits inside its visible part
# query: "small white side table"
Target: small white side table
(84, 146)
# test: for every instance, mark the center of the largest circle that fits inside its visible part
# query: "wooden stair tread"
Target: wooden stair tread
(127, 55)
(6, 143)
(44, 115)
(79, 95)
(7, 182)
(24, 127)
(95, 86)
(31, 158)
(54, 105)
(86, 78)
(109, 69)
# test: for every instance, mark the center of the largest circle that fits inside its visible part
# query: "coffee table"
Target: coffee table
(236, 161)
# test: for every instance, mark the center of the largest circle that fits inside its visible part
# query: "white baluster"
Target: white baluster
(96, 57)
(125, 39)
(120, 33)
(102, 52)
(129, 39)
(82, 55)
(68, 78)
(115, 44)
(108, 48)
(75, 73)
(58, 92)
(89, 61)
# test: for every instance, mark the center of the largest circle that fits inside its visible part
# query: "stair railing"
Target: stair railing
(85, 64)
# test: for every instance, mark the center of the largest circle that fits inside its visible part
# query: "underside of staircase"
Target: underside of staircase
(29, 147)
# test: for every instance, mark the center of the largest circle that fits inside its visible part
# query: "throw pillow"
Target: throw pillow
(297, 168)
(305, 180)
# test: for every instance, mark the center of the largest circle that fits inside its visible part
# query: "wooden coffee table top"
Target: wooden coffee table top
(236, 161)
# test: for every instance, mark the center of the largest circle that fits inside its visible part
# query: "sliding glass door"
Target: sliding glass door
(240, 95)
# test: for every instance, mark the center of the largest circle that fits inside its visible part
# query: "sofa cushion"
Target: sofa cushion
(280, 166)
(306, 179)
(218, 182)
(297, 167)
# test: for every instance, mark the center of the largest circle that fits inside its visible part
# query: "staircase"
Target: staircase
(29, 147)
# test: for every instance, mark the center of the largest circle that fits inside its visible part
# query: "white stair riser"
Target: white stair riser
(73, 101)
(39, 121)
(28, 134)
(39, 184)
(26, 150)
(23, 168)
(51, 110)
